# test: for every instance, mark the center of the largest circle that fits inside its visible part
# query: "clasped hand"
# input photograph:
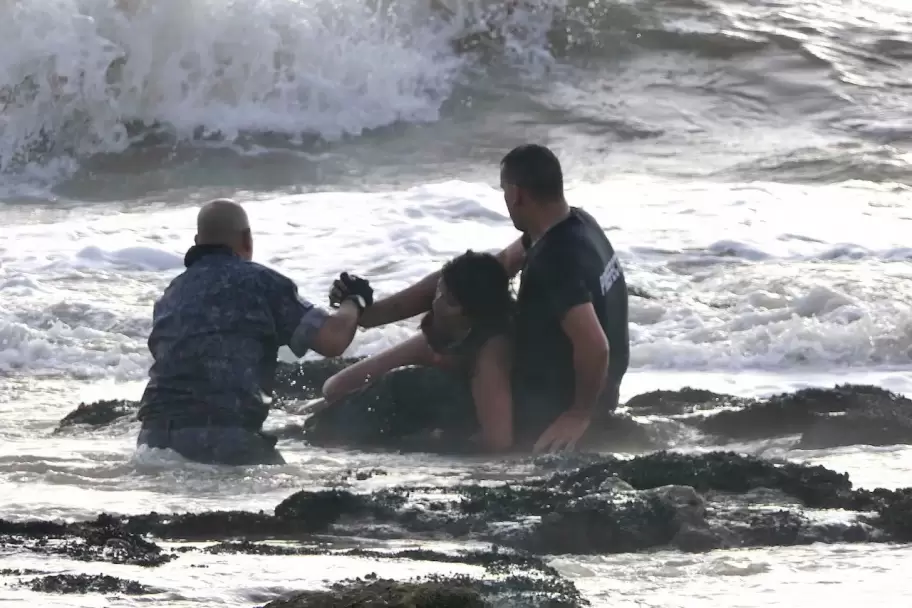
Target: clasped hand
(347, 286)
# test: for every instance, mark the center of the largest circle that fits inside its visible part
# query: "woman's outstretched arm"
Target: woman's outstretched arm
(413, 351)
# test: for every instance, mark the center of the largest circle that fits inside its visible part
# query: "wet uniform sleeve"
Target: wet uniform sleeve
(296, 319)
(566, 284)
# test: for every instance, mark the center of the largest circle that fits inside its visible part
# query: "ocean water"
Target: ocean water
(751, 162)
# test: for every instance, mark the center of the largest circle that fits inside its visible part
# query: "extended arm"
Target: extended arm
(414, 351)
(332, 337)
(416, 299)
(302, 326)
(492, 394)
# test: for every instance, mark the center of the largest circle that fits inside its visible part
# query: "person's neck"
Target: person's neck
(551, 214)
(200, 250)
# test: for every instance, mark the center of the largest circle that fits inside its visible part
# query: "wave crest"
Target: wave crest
(75, 74)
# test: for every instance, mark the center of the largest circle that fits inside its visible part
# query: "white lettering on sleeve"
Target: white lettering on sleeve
(610, 274)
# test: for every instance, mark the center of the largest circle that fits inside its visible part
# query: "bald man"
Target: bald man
(215, 337)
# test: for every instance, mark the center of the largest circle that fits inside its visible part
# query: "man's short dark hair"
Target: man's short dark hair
(536, 169)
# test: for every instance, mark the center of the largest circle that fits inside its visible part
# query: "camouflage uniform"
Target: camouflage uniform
(215, 336)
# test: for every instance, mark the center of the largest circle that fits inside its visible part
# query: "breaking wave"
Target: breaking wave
(81, 77)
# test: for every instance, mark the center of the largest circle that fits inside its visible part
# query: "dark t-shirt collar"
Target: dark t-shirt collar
(197, 252)
(528, 243)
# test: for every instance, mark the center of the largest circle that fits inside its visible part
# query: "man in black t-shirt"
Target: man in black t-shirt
(572, 346)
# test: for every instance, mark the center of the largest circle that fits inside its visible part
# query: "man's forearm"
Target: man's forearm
(334, 335)
(591, 371)
(405, 304)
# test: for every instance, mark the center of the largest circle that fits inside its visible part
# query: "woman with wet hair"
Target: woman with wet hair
(466, 335)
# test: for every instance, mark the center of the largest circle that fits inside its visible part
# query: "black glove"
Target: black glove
(348, 286)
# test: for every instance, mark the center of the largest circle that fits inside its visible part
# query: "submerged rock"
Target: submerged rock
(609, 506)
(98, 413)
(600, 505)
(438, 592)
(805, 410)
(425, 410)
(87, 583)
(104, 539)
(868, 426)
(453, 592)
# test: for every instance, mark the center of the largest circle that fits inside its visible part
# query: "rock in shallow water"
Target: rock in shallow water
(104, 539)
(385, 593)
(389, 415)
(607, 505)
(98, 413)
(86, 583)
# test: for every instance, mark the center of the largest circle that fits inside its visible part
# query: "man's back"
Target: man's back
(572, 263)
(215, 336)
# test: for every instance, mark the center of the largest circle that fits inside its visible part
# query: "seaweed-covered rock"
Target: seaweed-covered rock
(98, 413)
(674, 403)
(793, 413)
(885, 425)
(600, 524)
(440, 592)
(609, 505)
(457, 592)
(816, 486)
(87, 583)
(893, 510)
(104, 539)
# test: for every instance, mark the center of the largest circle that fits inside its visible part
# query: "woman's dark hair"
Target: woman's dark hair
(481, 285)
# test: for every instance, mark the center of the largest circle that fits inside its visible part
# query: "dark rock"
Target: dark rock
(386, 593)
(85, 583)
(607, 505)
(211, 525)
(18, 572)
(99, 413)
(794, 413)
(438, 592)
(320, 509)
(894, 513)
(104, 539)
(815, 486)
(684, 401)
(870, 426)
(594, 524)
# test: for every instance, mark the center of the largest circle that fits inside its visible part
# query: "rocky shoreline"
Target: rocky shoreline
(816, 417)
(577, 504)
(586, 504)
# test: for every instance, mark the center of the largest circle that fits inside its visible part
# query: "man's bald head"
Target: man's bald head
(224, 222)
